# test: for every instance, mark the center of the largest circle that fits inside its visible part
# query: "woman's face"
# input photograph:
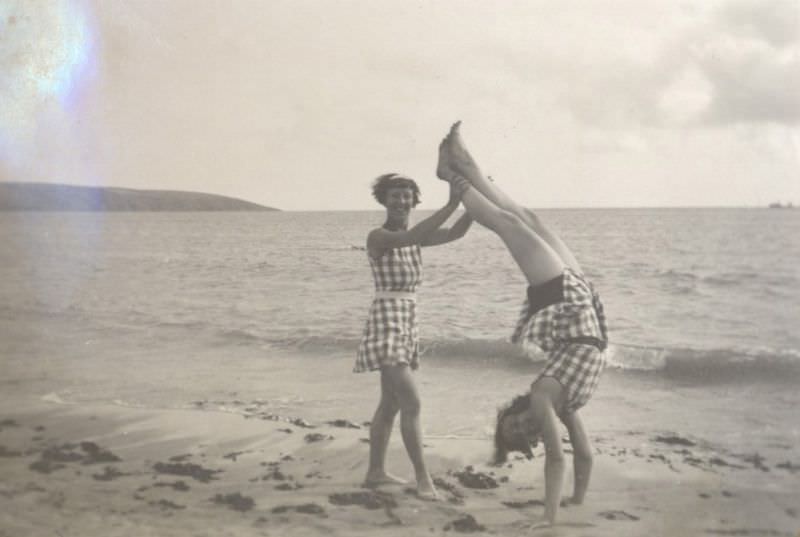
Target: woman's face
(399, 202)
(520, 432)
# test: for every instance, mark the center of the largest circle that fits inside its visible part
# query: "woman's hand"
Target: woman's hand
(458, 186)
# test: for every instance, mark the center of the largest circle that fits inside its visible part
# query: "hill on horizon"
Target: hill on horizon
(19, 196)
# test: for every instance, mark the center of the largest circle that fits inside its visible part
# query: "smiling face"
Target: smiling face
(399, 201)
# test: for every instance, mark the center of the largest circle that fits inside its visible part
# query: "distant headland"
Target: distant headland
(15, 196)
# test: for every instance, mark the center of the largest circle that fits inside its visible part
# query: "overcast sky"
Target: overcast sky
(299, 104)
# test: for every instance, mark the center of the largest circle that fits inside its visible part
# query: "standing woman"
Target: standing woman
(390, 342)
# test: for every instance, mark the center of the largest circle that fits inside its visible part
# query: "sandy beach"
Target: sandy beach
(109, 470)
(233, 463)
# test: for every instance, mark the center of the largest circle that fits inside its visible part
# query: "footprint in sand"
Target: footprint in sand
(372, 499)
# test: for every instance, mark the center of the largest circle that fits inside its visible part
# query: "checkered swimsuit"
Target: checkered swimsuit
(391, 335)
(561, 330)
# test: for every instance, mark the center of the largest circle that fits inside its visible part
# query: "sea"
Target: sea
(168, 308)
(685, 290)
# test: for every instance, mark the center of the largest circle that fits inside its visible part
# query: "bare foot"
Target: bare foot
(372, 481)
(458, 157)
(426, 490)
(428, 495)
(444, 169)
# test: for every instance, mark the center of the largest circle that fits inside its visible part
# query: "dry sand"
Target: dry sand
(85, 470)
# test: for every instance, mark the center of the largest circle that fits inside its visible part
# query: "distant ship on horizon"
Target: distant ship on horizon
(779, 205)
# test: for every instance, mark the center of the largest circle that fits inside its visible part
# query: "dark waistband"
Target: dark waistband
(545, 294)
(552, 292)
(588, 340)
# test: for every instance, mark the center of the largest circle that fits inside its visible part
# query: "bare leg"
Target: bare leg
(461, 161)
(535, 257)
(405, 390)
(379, 432)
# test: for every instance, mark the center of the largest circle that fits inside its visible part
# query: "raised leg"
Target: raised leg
(379, 433)
(537, 260)
(457, 159)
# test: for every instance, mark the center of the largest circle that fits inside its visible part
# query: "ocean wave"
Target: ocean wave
(725, 279)
(706, 366)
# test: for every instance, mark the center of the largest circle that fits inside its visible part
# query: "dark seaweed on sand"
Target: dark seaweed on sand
(194, 471)
(235, 501)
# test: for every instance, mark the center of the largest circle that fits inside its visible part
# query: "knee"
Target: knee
(410, 406)
(531, 218)
(387, 413)
(508, 222)
(387, 407)
(586, 458)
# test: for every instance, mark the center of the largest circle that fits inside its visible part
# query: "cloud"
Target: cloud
(752, 62)
(751, 82)
(775, 21)
(736, 63)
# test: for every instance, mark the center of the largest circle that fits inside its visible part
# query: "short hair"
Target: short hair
(519, 404)
(382, 184)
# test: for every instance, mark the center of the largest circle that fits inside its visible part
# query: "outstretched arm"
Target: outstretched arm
(445, 235)
(582, 455)
(553, 458)
(383, 239)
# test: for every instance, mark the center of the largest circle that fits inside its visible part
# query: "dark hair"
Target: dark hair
(382, 184)
(519, 404)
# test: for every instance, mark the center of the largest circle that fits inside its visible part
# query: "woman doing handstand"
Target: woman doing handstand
(562, 315)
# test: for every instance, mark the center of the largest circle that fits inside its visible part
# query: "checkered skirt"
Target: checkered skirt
(577, 367)
(391, 333)
(555, 329)
(579, 314)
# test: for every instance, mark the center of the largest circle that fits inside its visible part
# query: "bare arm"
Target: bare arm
(382, 239)
(445, 235)
(582, 455)
(554, 457)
